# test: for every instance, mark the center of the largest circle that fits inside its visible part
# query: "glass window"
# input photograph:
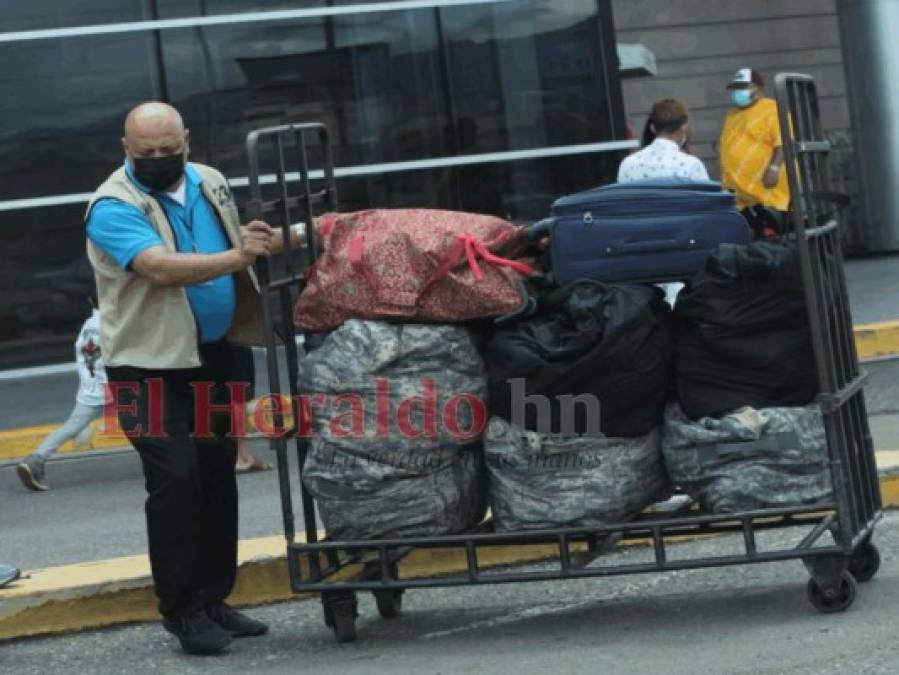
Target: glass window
(530, 75)
(60, 130)
(391, 86)
(47, 14)
(64, 102)
(39, 322)
(412, 85)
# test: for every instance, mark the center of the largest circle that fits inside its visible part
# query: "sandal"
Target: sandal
(253, 467)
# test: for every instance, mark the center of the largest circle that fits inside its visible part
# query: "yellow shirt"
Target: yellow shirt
(747, 142)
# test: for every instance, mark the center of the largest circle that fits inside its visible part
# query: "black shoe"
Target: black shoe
(237, 624)
(31, 473)
(198, 633)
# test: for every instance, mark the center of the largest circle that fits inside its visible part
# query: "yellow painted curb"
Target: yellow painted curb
(889, 490)
(109, 592)
(875, 340)
(105, 434)
(16, 443)
(118, 591)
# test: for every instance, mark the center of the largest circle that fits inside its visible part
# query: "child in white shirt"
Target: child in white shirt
(89, 401)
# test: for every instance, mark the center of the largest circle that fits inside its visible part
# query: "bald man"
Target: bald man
(176, 288)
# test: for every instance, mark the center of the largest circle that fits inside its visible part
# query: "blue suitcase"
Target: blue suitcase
(657, 230)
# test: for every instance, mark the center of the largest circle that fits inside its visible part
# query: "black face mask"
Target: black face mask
(158, 173)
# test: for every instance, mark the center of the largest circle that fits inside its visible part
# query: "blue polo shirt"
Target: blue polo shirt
(123, 231)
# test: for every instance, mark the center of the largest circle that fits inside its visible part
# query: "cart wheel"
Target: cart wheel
(340, 616)
(390, 602)
(835, 598)
(344, 624)
(865, 562)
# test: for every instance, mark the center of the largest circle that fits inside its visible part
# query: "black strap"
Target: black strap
(788, 440)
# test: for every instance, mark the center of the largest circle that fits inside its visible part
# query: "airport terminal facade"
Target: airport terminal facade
(412, 91)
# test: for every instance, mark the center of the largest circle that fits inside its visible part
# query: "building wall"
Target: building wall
(698, 45)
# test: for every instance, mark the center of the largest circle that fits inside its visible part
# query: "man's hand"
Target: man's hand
(256, 239)
(770, 177)
(775, 166)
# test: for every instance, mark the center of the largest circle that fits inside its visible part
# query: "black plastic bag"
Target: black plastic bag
(609, 342)
(742, 333)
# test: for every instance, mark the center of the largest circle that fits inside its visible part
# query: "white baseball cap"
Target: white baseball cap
(746, 76)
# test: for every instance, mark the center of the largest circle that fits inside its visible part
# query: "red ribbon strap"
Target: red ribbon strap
(475, 247)
(470, 247)
(357, 245)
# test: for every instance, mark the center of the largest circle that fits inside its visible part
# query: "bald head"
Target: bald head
(154, 129)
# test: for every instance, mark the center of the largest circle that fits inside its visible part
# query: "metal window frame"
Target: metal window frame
(424, 164)
(235, 18)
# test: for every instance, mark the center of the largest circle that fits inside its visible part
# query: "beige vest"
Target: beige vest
(144, 325)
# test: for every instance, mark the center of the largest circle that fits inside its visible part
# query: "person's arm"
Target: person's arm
(297, 237)
(775, 166)
(123, 232)
(624, 170)
(165, 268)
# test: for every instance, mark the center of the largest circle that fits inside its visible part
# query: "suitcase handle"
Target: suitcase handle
(650, 246)
(540, 229)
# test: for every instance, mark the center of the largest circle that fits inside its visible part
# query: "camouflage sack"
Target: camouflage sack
(750, 459)
(537, 481)
(388, 477)
(367, 499)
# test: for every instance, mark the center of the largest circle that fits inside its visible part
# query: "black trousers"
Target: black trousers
(191, 502)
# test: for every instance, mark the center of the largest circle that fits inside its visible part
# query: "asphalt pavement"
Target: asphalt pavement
(747, 620)
(95, 510)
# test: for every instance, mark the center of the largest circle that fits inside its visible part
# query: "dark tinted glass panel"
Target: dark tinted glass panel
(47, 14)
(60, 131)
(412, 85)
(416, 85)
(38, 320)
(64, 102)
(378, 91)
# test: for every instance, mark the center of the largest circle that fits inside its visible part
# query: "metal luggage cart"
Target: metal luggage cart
(834, 541)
